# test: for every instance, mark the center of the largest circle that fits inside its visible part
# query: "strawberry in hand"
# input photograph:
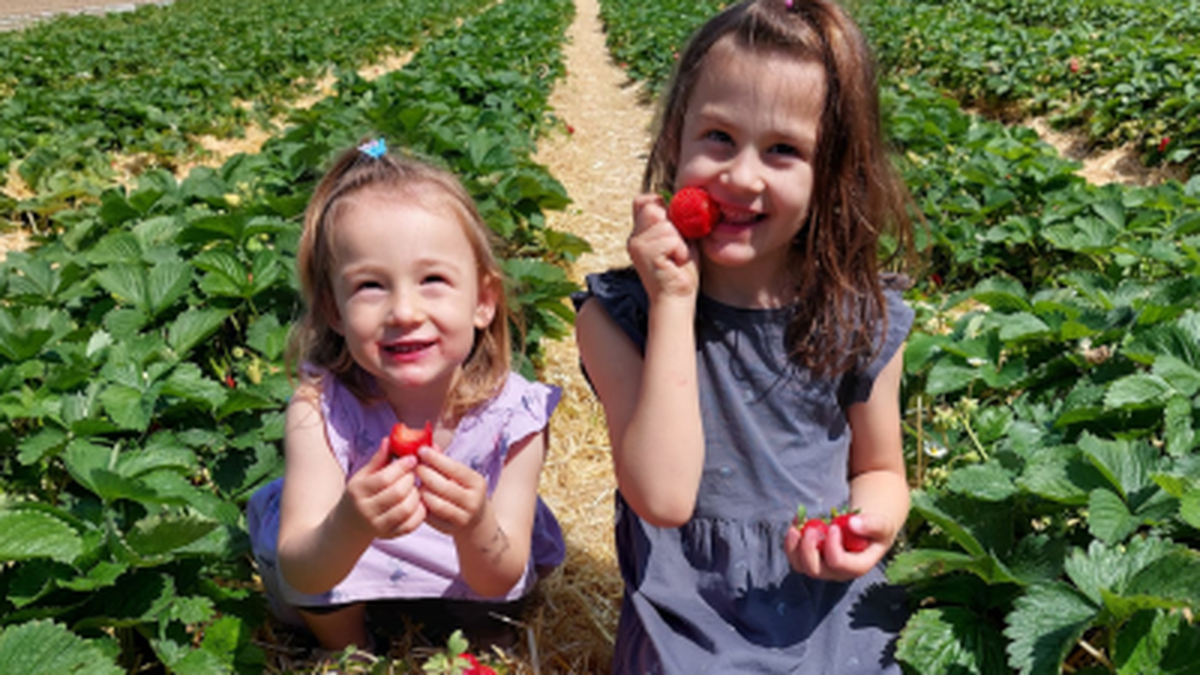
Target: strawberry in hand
(693, 212)
(404, 441)
(855, 543)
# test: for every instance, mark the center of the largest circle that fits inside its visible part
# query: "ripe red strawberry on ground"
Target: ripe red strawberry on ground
(693, 212)
(404, 441)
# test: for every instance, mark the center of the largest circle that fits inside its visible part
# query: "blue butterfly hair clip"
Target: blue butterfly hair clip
(374, 149)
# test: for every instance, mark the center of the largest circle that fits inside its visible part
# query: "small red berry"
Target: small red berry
(693, 212)
(404, 441)
(816, 525)
(850, 541)
(1074, 65)
(1164, 144)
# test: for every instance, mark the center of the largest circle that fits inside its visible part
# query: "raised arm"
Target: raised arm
(651, 403)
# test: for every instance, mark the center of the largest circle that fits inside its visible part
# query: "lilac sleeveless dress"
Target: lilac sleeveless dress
(717, 595)
(422, 564)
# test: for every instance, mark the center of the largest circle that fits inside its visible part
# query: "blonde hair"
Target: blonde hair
(857, 195)
(313, 340)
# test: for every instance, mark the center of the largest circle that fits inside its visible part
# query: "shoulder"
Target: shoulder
(619, 292)
(521, 407)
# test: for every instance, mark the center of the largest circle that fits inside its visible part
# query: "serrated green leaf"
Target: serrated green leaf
(946, 377)
(166, 283)
(1126, 465)
(951, 640)
(1108, 517)
(193, 327)
(1022, 325)
(46, 648)
(989, 482)
(1178, 374)
(160, 534)
(1141, 390)
(1044, 626)
(32, 534)
(1060, 474)
(1156, 642)
(1178, 426)
(127, 285)
(129, 408)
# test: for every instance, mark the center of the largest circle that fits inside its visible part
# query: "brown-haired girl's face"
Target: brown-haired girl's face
(750, 137)
(407, 289)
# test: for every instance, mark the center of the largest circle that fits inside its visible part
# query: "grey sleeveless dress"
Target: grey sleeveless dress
(717, 595)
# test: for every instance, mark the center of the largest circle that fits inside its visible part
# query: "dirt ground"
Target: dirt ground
(20, 13)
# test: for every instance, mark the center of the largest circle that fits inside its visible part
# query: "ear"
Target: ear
(489, 298)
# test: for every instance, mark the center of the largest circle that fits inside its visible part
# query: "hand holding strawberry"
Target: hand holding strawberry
(833, 549)
(693, 212)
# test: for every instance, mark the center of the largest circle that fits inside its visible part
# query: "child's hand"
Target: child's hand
(829, 559)
(382, 496)
(454, 494)
(665, 261)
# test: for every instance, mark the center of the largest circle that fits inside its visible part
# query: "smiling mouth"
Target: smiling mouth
(742, 218)
(407, 347)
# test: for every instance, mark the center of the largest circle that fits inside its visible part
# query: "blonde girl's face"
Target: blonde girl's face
(749, 137)
(408, 293)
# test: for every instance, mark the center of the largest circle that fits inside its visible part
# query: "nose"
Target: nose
(744, 171)
(406, 307)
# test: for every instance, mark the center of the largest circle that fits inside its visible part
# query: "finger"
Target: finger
(379, 459)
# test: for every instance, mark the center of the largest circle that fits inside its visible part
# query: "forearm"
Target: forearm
(314, 560)
(883, 493)
(659, 460)
(491, 557)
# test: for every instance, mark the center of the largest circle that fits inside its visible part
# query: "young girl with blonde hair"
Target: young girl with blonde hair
(406, 322)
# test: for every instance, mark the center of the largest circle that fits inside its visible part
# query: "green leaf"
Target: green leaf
(1044, 626)
(1002, 294)
(1022, 325)
(1108, 517)
(989, 482)
(166, 283)
(1189, 508)
(1178, 374)
(1141, 390)
(951, 640)
(1157, 642)
(946, 376)
(32, 534)
(159, 534)
(47, 648)
(925, 505)
(128, 407)
(1126, 466)
(193, 327)
(1178, 429)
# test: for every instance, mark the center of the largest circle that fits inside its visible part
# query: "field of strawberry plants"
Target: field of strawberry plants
(141, 342)
(1052, 381)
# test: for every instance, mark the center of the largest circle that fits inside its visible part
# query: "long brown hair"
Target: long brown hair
(313, 340)
(857, 195)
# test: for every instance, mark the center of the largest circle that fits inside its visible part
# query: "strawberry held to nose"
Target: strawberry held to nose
(404, 441)
(693, 212)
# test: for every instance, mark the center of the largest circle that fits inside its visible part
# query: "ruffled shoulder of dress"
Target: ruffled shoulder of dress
(621, 294)
(522, 407)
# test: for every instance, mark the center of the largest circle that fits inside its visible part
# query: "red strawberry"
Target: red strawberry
(404, 441)
(1164, 144)
(850, 541)
(818, 525)
(476, 667)
(693, 212)
(1074, 65)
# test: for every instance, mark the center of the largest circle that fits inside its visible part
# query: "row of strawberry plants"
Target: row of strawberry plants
(1120, 71)
(154, 79)
(1051, 393)
(141, 354)
(1056, 373)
